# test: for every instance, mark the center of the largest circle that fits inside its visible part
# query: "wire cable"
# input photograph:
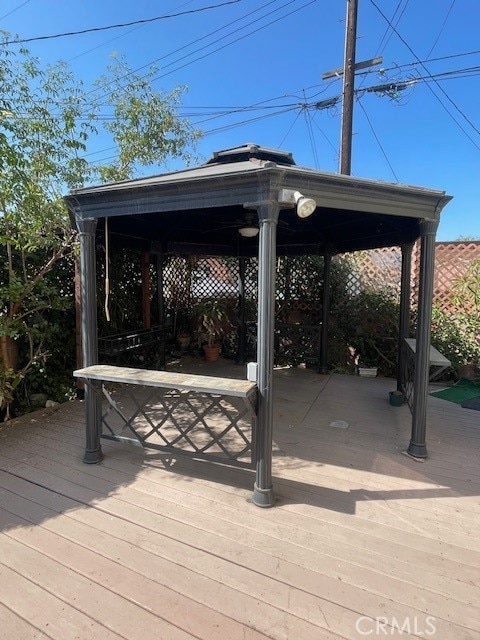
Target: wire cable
(211, 44)
(441, 28)
(269, 24)
(377, 139)
(13, 10)
(438, 86)
(119, 26)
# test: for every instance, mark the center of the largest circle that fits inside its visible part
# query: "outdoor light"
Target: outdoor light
(305, 206)
(248, 232)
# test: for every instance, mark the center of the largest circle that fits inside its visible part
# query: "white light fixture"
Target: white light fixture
(248, 232)
(305, 206)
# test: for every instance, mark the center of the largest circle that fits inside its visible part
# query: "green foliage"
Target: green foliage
(212, 320)
(457, 335)
(9, 381)
(369, 326)
(451, 338)
(47, 120)
(145, 128)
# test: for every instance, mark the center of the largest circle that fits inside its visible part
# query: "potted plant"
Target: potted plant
(212, 324)
(366, 358)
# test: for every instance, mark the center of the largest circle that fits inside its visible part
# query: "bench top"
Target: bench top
(168, 380)
(436, 358)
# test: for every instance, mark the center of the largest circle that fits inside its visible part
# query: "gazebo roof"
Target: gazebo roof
(199, 210)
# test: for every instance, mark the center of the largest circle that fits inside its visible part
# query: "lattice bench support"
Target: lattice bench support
(197, 416)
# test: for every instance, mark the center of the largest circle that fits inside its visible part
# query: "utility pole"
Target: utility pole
(348, 87)
(348, 71)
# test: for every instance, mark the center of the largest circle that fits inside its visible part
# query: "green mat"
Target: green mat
(462, 390)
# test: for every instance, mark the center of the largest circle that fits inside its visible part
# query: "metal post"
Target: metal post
(404, 318)
(327, 280)
(417, 446)
(93, 407)
(268, 217)
(80, 384)
(241, 333)
(348, 88)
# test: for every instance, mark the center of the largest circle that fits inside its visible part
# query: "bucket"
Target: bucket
(396, 398)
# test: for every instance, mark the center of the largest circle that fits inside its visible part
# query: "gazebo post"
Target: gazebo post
(327, 280)
(417, 447)
(93, 407)
(404, 317)
(268, 218)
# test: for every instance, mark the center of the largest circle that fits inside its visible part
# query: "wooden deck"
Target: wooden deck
(362, 543)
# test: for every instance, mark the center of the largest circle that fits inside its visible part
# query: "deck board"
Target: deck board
(174, 545)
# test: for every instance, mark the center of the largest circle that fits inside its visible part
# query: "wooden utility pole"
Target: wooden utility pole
(348, 87)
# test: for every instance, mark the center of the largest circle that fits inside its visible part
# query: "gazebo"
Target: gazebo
(279, 209)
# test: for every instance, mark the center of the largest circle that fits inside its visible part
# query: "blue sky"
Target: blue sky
(272, 54)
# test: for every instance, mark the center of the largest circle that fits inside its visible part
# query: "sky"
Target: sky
(253, 69)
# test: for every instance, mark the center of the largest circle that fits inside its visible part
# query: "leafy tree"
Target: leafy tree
(47, 121)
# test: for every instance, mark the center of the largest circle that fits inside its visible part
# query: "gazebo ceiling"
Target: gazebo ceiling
(200, 210)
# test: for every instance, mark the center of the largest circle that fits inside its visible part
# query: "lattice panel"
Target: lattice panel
(188, 280)
(452, 261)
(377, 269)
(251, 279)
(190, 423)
(177, 277)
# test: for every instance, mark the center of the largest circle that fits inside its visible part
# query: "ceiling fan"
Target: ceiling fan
(247, 226)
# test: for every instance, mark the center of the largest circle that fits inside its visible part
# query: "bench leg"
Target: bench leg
(93, 417)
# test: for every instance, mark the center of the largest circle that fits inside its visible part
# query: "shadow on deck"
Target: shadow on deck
(172, 548)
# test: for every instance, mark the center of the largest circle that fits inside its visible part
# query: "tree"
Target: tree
(47, 121)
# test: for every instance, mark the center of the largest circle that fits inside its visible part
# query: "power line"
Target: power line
(387, 36)
(269, 24)
(210, 112)
(118, 26)
(397, 67)
(218, 40)
(377, 139)
(436, 83)
(441, 28)
(13, 10)
(289, 129)
(171, 53)
(308, 124)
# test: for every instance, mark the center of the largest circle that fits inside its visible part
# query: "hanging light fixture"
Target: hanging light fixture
(248, 232)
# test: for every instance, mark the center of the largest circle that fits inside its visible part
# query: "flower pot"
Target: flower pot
(211, 353)
(183, 340)
(367, 372)
(396, 398)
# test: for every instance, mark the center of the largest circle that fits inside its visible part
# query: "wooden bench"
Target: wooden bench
(185, 387)
(438, 362)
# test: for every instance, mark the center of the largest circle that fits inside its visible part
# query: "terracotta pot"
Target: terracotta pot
(211, 353)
